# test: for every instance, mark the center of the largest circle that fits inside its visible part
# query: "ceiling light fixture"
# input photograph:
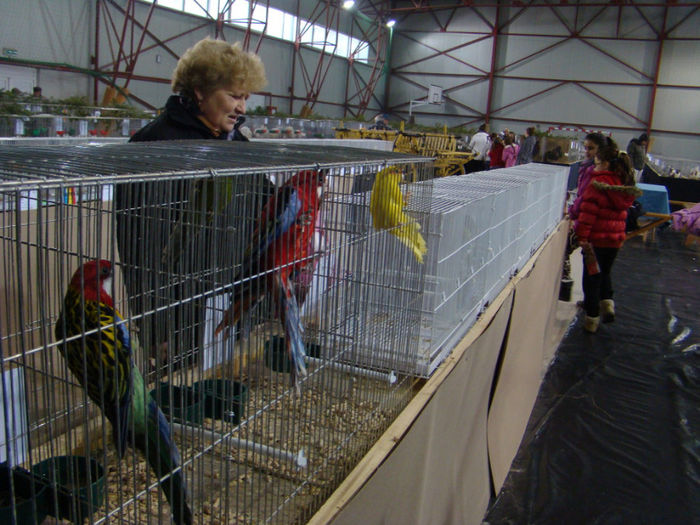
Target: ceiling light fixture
(348, 4)
(390, 23)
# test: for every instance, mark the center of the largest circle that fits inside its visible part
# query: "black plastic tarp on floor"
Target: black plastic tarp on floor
(614, 437)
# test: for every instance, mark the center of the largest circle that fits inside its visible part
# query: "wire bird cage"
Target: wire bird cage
(177, 224)
(482, 228)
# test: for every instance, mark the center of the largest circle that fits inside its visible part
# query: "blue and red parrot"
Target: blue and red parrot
(95, 343)
(280, 247)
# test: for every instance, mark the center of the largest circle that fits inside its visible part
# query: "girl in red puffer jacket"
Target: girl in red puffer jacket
(601, 229)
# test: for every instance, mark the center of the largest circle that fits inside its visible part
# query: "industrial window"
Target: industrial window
(276, 23)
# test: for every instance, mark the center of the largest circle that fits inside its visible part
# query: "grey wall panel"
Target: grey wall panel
(472, 22)
(678, 110)
(420, 52)
(58, 84)
(683, 21)
(680, 63)
(574, 59)
(39, 33)
(607, 78)
(568, 103)
(678, 146)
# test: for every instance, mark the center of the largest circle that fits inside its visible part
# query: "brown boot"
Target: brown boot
(607, 310)
(590, 324)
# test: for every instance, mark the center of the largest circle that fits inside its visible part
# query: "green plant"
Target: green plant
(75, 105)
(258, 110)
(13, 102)
(436, 128)
(462, 131)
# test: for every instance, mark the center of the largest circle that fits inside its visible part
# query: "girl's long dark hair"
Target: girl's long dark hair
(619, 161)
(598, 139)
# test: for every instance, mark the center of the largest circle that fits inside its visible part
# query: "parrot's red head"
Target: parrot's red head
(95, 279)
(311, 180)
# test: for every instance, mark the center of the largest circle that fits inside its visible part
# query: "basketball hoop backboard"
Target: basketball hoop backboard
(434, 97)
(434, 94)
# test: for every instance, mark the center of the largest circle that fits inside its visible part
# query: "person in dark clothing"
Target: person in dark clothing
(180, 121)
(527, 149)
(212, 81)
(637, 150)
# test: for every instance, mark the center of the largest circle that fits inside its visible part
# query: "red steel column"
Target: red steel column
(95, 65)
(492, 70)
(662, 37)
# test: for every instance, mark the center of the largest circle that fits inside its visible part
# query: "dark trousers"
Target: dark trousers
(475, 165)
(599, 286)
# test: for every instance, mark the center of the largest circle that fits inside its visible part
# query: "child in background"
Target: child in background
(601, 227)
(510, 150)
(496, 153)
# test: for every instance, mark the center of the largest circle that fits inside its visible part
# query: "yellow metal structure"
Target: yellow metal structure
(440, 146)
(374, 134)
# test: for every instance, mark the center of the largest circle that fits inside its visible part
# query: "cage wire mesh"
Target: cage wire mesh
(182, 230)
(481, 229)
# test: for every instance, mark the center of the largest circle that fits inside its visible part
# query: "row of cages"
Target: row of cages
(61, 126)
(47, 125)
(217, 333)
(674, 167)
(290, 127)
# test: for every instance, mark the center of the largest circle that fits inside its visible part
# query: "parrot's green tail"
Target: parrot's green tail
(409, 234)
(163, 457)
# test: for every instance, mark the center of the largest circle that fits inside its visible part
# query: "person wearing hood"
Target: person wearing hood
(601, 230)
(637, 150)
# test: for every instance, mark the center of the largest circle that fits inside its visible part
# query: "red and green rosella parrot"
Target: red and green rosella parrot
(95, 343)
(280, 247)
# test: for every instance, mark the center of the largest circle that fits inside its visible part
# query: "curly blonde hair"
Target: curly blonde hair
(214, 64)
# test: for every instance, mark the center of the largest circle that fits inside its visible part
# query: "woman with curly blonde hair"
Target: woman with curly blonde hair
(212, 82)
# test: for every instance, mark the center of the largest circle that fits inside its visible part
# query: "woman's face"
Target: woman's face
(591, 149)
(222, 106)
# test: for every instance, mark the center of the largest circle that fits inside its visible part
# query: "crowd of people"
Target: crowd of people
(501, 150)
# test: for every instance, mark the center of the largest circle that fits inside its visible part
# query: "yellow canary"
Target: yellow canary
(387, 207)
